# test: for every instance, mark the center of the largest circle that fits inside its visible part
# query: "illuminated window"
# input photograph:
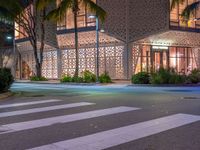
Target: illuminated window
(17, 30)
(181, 59)
(177, 20)
(82, 18)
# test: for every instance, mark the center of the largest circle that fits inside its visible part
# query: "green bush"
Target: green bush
(167, 76)
(66, 78)
(88, 76)
(177, 79)
(156, 79)
(77, 79)
(35, 78)
(6, 79)
(105, 78)
(141, 78)
(194, 77)
(162, 76)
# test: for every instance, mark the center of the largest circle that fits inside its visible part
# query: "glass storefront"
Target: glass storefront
(151, 58)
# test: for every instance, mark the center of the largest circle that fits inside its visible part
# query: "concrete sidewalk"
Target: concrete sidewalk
(115, 82)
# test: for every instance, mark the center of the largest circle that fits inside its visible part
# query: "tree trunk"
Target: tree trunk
(38, 70)
(76, 44)
(42, 40)
(37, 62)
(39, 57)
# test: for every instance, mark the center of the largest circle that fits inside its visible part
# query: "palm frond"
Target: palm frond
(190, 9)
(174, 3)
(41, 4)
(58, 14)
(14, 8)
(94, 8)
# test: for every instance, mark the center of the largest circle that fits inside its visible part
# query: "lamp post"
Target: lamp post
(97, 44)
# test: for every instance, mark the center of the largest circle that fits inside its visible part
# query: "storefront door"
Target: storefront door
(160, 59)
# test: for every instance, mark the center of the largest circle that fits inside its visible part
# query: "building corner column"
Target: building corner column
(127, 61)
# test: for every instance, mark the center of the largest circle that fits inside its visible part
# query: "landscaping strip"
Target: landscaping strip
(5, 95)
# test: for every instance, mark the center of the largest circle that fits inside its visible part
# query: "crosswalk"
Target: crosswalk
(43, 109)
(29, 103)
(97, 141)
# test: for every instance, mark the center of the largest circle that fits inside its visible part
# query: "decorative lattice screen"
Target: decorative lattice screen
(49, 68)
(110, 60)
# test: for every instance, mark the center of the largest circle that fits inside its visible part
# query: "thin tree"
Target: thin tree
(29, 15)
(74, 6)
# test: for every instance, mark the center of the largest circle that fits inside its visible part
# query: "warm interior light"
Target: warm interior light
(91, 16)
(102, 30)
(196, 19)
(160, 47)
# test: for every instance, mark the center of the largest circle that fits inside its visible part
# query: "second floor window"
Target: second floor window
(82, 19)
(177, 20)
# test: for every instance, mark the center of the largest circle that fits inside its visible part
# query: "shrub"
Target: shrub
(36, 78)
(66, 78)
(141, 78)
(77, 79)
(105, 78)
(162, 76)
(167, 76)
(156, 79)
(6, 79)
(194, 77)
(88, 76)
(177, 79)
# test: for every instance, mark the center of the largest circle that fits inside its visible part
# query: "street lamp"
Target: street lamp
(9, 37)
(97, 43)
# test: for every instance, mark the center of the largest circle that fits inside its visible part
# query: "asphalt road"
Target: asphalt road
(116, 117)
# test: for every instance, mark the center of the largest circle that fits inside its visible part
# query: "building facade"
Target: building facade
(139, 36)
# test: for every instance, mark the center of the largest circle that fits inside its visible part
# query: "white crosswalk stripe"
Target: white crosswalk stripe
(43, 109)
(29, 103)
(96, 141)
(63, 119)
(114, 137)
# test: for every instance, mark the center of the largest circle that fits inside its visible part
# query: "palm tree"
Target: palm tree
(189, 10)
(74, 6)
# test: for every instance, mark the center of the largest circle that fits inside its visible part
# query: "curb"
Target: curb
(5, 95)
(164, 85)
(112, 84)
(37, 82)
(78, 84)
(69, 83)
